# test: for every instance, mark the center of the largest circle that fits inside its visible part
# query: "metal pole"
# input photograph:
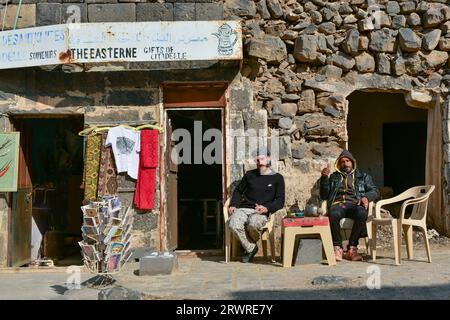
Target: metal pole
(17, 15)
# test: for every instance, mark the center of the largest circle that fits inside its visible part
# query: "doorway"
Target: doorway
(408, 140)
(388, 139)
(198, 186)
(46, 216)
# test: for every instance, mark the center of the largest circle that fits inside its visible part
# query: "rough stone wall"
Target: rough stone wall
(303, 58)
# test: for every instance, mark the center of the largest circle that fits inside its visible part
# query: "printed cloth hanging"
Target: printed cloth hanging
(144, 197)
(107, 178)
(91, 167)
(125, 144)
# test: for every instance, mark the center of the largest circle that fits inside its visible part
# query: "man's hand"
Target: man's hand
(326, 171)
(363, 202)
(231, 210)
(261, 209)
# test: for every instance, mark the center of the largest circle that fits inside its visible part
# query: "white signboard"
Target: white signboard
(117, 41)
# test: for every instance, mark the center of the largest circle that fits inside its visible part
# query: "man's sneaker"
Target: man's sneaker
(352, 254)
(338, 253)
(249, 256)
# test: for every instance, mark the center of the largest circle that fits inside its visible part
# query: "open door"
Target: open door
(172, 196)
(21, 213)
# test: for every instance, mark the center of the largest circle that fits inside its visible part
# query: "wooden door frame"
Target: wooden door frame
(221, 104)
(16, 118)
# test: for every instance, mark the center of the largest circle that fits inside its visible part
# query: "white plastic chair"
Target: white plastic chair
(418, 198)
(232, 243)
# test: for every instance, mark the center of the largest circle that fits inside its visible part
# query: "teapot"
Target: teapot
(311, 210)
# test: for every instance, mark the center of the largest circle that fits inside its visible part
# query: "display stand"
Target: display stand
(106, 234)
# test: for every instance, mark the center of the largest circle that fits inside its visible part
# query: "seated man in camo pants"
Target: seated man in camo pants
(259, 193)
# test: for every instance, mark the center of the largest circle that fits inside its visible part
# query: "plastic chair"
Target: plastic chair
(347, 225)
(231, 242)
(418, 198)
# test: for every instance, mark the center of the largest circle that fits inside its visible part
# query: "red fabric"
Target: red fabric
(144, 197)
(305, 222)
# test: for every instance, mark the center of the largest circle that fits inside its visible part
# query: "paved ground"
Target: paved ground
(212, 279)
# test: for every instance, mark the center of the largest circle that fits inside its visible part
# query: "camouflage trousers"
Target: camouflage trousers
(244, 219)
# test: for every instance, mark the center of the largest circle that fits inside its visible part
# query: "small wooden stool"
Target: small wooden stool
(290, 227)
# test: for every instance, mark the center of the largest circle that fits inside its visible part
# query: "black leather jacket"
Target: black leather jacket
(364, 187)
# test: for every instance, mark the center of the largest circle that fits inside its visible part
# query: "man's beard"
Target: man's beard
(348, 169)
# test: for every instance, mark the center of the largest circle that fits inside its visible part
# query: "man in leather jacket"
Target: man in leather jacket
(348, 192)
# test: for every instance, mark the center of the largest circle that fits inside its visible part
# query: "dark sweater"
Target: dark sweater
(254, 188)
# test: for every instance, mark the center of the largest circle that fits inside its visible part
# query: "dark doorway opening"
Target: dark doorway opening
(199, 182)
(388, 139)
(404, 150)
(51, 172)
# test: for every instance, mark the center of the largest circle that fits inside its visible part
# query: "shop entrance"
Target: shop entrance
(46, 216)
(389, 140)
(197, 180)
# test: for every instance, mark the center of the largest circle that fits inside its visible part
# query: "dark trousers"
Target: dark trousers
(352, 211)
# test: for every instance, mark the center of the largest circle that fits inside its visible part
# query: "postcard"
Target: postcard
(113, 263)
(116, 239)
(114, 204)
(114, 231)
(116, 248)
(91, 221)
(89, 230)
(89, 252)
(89, 211)
(115, 222)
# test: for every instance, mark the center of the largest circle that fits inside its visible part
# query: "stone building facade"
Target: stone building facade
(302, 62)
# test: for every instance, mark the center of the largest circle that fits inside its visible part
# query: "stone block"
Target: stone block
(27, 17)
(305, 49)
(239, 8)
(382, 40)
(184, 11)
(414, 20)
(275, 8)
(55, 13)
(351, 42)
(398, 21)
(158, 263)
(432, 18)
(409, 40)
(341, 60)
(241, 97)
(309, 251)
(74, 12)
(261, 7)
(270, 48)
(154, 12)
(407, 6)
(121, 12)
(255, 120)
(48, 14)
(208, 11)
(131, 98)
(392, 7)
(430, 39)
(284, 150)
(383, 64)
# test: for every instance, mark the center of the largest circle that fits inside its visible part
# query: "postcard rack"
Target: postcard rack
(106, 234)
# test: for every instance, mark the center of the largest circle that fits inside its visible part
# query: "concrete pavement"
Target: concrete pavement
(211, 278)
